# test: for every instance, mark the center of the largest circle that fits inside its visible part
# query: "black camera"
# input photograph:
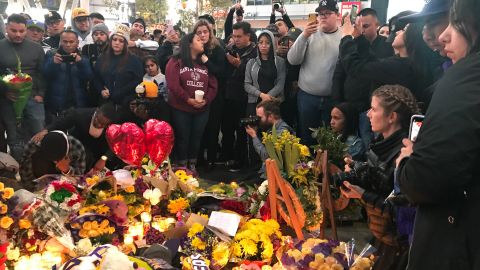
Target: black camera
(356, 176)
(252, 121)
(239, 12)
(277, 4)
(68, 58)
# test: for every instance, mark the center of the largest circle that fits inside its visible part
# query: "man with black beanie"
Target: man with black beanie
(57, 153)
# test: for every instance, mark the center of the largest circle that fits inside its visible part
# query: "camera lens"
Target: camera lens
(276, 6)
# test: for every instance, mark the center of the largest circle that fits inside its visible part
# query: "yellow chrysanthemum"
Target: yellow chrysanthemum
(8, 193)
(196, 228)
(87, 225)
(180, 173)
(90, 181)
(2, 186)
(198, 243)
(3, 209)
(221, 254)
(175, 206)
(103, 209)
(304, 152)
(130, 189)
(24, 224)
(6, 222)
(249, 247)
(267, 252)
(237, 250)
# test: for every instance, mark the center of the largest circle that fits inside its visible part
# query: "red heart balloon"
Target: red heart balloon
(159, 140)
(127, 142)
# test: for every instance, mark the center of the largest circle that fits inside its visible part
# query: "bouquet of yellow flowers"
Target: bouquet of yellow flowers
(203, 242)
(257, 240)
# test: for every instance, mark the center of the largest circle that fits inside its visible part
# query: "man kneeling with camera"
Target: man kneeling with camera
(67, 74)
(268, 115)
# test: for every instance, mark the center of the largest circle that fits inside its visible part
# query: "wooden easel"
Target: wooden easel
(322, 168)
(296, 216)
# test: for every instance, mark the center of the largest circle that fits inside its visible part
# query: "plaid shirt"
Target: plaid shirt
(76, 155)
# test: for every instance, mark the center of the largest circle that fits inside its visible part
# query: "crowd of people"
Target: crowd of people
(363, 79)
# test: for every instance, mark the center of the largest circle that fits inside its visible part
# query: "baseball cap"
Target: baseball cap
(293, 33)
(36, 24)
(79, 12)
(431, 8)
(52, 16)
(395, 25)
(327, 4)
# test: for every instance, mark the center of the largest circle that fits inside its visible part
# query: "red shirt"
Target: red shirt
(183, 81)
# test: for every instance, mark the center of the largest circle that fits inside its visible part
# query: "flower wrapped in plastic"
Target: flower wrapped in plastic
(63, 196)
(22, 84)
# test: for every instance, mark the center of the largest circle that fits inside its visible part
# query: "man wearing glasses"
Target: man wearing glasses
(55, 26)
(316, 50)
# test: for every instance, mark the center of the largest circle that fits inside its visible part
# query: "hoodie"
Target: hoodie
(252, 70)
(84, 38)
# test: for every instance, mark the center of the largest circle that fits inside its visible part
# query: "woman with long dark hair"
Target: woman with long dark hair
(344, 122)
(439, 172)
(192, 88)
(265, 74)
(406, 67)
(117, 72)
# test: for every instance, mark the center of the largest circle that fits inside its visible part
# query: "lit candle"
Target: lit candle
(146, 217)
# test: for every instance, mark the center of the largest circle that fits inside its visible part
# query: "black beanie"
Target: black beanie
(54, 146)
(142, 22)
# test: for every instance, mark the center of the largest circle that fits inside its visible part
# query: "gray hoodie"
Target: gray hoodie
(84, 38)
(251, 75)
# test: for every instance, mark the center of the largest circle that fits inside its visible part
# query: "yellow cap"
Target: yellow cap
(79, 12)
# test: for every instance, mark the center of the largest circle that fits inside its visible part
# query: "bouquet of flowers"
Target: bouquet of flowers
(63, 196)
(202, 241)
(22, 84)
(313, 253)
(98, 228)
(257, 240)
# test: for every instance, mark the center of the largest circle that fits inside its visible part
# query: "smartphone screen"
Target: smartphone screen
(353, 13)
(312, 17)
(415, 125)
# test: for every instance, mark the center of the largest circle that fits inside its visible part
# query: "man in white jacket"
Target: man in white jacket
(316, 50)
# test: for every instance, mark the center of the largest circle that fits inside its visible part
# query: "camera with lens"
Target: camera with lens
(252, 121)
(356, 176)
(239, 12)
(277, 4)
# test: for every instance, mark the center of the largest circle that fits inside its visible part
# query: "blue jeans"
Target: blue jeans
(365, 129)
(189, 128)
(32, 122)
(313, 112)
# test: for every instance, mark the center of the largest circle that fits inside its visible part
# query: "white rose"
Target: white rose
(263, 187)
(193, 182)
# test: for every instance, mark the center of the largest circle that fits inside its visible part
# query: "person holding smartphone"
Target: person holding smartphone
(67, 74)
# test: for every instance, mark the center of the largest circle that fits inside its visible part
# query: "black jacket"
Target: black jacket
(442, 176)
(164, 53)
(285, 18)
(77, 123)
(235, 76)
(365, 68)
(216, 62)
(120, 74)
(350, 88)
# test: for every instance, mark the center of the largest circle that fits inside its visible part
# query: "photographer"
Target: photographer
(67, 73)
(268, 115)
(390, 112)
(284, 23)
(237, 9)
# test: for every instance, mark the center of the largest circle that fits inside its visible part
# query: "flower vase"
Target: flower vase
(3, 254)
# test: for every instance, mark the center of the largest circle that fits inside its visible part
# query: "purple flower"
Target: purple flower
(287, 260)
(140, 186)
(304, 264)
(341, 259)
(323, 248)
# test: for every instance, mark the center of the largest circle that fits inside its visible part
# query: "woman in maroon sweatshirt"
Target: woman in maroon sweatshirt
(186, 74)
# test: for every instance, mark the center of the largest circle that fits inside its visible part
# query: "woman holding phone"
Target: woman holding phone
(440, 172)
